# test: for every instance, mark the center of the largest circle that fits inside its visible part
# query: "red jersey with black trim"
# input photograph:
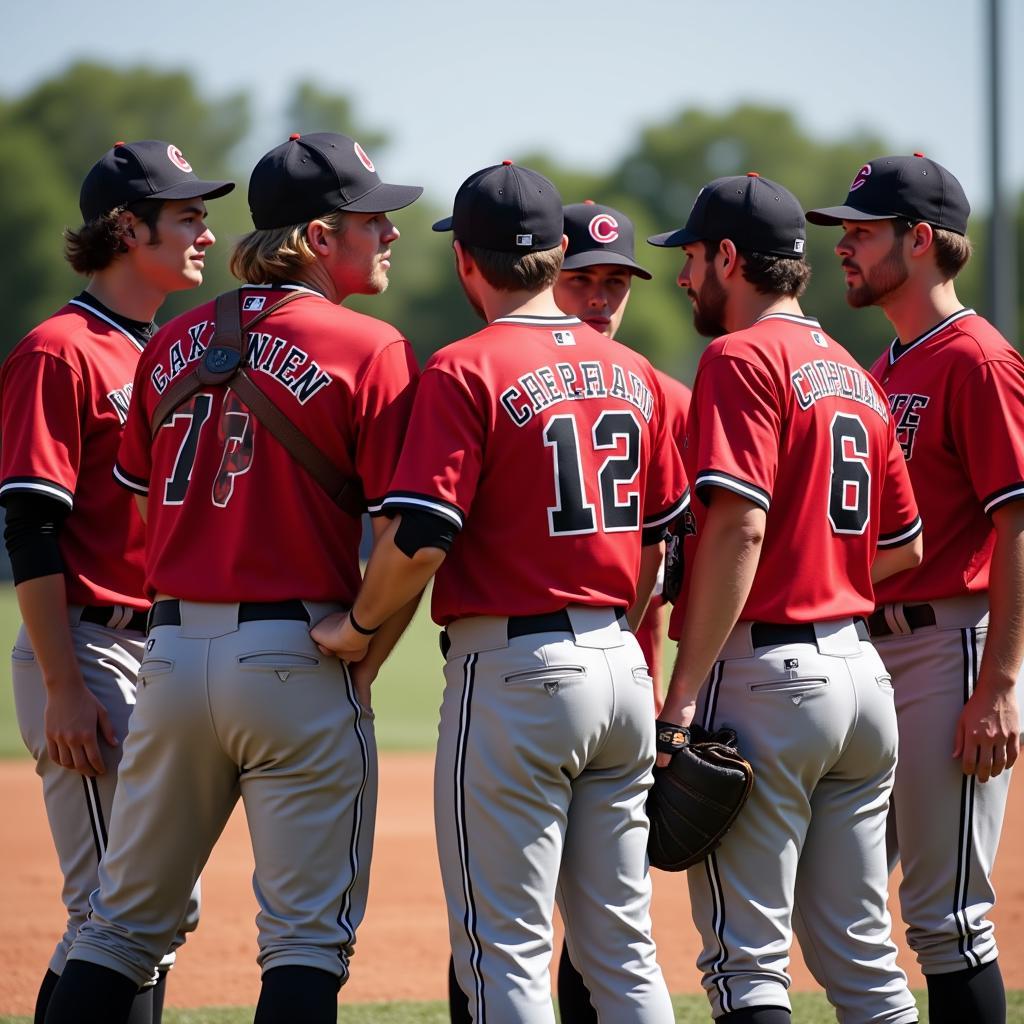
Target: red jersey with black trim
(957, 400)
(545, 444)
(231, 515)
(785, 417)
(65, 392)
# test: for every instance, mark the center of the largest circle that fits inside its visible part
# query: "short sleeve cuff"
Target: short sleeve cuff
(900, 537)
(663, 518)
(1014, 492)
(134, 484)
(36, 485)
(716, 478)
(397, 500)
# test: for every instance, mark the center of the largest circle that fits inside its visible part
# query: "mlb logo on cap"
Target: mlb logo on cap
(526, 240)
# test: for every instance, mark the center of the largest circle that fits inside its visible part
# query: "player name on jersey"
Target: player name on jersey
(274, 356)
(545, 386)
(826, 378)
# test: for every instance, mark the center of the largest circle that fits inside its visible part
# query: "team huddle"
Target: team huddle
(842, 553)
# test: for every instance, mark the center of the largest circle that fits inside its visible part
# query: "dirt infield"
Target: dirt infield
(402, 949)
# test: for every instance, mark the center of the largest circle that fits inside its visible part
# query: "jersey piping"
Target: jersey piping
(540, 321)
(676, 509)
(426, 502)
(38, 485)
(897, 350)
(716, 478)
(1014, 492)
(793, 318)
(107, 320)
(901, 537)
(132, 483)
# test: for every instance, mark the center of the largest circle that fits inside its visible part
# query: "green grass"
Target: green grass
(807, 1009)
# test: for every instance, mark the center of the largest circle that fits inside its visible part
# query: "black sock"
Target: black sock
(43, 999)
(574, 1003)
(974, 996)
(159, 991)
(295, 993)
(756, 1015)
(90, 994)
(458, 1001)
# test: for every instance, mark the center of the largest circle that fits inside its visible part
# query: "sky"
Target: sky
(460, 85)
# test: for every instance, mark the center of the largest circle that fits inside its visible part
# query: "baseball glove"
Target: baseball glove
(696, 797)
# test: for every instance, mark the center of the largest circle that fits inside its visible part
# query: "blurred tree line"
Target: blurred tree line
(50, 136)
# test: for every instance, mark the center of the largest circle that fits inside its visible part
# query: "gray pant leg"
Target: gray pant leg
(78, 809)
(604, 890)
(841, 916)
(517, 724)
(947, 824)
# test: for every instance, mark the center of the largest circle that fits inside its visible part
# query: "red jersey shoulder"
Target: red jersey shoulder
(70, 334)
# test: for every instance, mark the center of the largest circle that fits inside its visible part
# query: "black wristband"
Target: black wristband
(355, 625)
(669, 737)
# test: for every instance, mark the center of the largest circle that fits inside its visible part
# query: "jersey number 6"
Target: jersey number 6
(572, 513)
(849, 495)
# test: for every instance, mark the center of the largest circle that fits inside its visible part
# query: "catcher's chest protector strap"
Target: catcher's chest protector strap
(224, 362)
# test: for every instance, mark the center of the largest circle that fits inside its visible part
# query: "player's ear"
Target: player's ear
(127, 223)
(565, 242)
(463, 260)
(319, 236)
(921, 237)
(727, 256)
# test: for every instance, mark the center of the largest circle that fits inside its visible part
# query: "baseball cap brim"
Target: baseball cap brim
(194, 189)
(444, 225)
(832, 215)
(384, 198)
(674, 239)
(601, 257)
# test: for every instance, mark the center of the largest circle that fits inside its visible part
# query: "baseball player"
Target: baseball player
(804, 501)
(535, 467)
(74, 538)
(244, 550)
(951, 631)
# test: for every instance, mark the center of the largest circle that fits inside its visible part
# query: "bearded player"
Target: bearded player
(75, 539)
(804, 501)
(951, 631)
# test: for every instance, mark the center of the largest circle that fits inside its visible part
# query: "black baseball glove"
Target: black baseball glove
(696, 797)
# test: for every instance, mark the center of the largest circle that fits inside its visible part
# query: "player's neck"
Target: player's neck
(125, 292)
(497, 304)
(748, 306)
(916, 308)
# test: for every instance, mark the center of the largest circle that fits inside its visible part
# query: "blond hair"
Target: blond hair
(278, 254)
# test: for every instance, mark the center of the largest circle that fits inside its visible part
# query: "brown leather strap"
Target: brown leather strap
(227, 338)
(223, 363)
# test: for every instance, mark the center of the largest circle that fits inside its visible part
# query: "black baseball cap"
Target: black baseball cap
(312, 175)
(759, 215)
(151, 169)
(599, 235)
(913, 187)
(506, 208)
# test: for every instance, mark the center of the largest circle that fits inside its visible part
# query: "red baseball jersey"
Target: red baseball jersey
(231, 515)
(65, 393)
(957, 400)
(546, 445)
(677, 404)
(784, 416)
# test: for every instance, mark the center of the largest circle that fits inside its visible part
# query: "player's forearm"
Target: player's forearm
(393, 579)
(651, 558)
(1004, 644)
(384, 640)
(888, 561)
(723, 573)
(43, 604)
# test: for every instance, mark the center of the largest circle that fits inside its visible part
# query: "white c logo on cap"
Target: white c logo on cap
(862, 175)
(174, 155)
(604, 228)
(363, 158)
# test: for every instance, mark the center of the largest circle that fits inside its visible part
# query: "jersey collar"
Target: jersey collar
(897, 349)
(291, 286)
(808, 321)
(540, 321)
(107, 320)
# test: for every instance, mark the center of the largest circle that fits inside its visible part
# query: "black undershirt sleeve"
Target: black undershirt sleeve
(422, 529)
(30, 534)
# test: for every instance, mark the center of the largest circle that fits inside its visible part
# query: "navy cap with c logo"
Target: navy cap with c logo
(599, 235)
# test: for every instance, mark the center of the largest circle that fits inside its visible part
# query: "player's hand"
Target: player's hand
(988, 731)
(335, 635)
(683, 717)
(74, 720)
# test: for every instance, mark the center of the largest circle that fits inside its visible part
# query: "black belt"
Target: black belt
(552, 622)
(103, 615)
(775, 634)
(168, 613)
(917, 616)
(527, 625)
